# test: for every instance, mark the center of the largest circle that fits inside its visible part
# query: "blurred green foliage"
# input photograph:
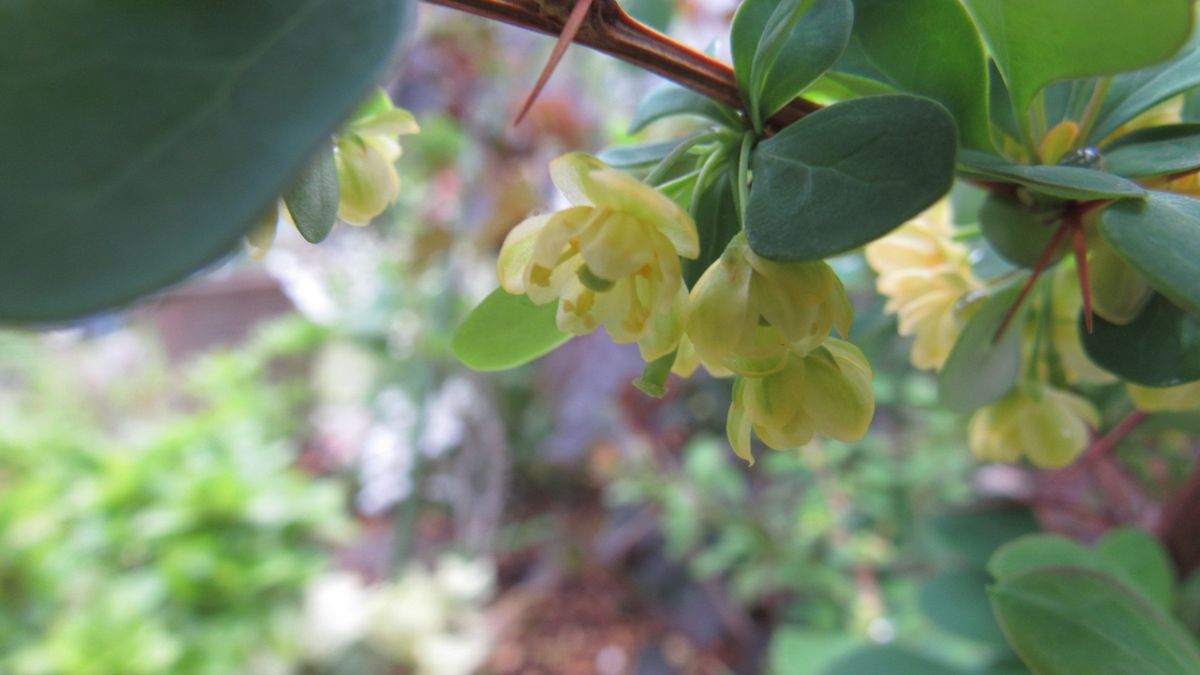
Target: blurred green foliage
(183, 547)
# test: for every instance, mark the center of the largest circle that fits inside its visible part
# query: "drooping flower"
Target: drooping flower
(1179, 398)
(1047, 425)
(826, 391)
(747, 313)
(611, 260)
(365, 153)
(924, 273)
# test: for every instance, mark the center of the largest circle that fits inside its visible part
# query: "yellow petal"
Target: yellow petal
(517, 253)
(367, 181)
(616, 248)
(738, 425)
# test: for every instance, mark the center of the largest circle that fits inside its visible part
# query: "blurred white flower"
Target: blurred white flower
(335, 614)
(465, 580)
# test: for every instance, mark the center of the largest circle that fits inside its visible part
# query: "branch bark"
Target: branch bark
(609, 30)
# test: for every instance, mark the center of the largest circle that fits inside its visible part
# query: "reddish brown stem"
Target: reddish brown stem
(608, 29)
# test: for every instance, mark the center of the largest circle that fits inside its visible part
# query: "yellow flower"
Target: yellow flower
(365, 153)
(924, 273)
(1047, 425)
(747, 313)
(1180, 398)
(612, 260)
(827, 392)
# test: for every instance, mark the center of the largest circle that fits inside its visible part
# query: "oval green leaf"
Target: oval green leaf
(947, 64)
(312, 198)
(1064, 182)
(716, 223)
(1141, 562)
(781, 46)
(980, 370)
(1036, 551)
(1036, 42)
(1072, 620)
(672, 100)
(1160, 348)
(847, 175)
(141, 139)
(1156, 151)
(1134, 93)
(506, 331)
(1018, 234)
(1160, 238)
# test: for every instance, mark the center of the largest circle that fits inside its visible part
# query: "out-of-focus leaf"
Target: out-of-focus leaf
(506, 331)
(1160, 348)
(980, 369)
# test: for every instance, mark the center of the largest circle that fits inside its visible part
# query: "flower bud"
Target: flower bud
(365, 153)
(827, 392)
(747, 313)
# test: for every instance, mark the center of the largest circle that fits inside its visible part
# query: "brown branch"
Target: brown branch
(608, 29)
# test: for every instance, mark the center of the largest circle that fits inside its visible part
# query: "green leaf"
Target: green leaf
(672, 100)
(978, 533)
(847, 175)
(1036, 42)
(1141, 562)
(716, 222)
(781, 46)
(797, 650)
(946, 64)
(1018, 234)
(835, 87)
(1134, 93)
(506, 331)
(641, 156)
(1160, 348)
(980, 370)
(1037, 551)
(1072, 620)
(890, 660)
(141, 139)
(1066, 182)
(1156, 151)
(312, 198)
(1160, 238)
(956, 601)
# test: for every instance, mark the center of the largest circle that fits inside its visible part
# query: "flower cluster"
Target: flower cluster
(924, 274)
(611, 260)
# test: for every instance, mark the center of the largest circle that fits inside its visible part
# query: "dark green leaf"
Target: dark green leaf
(1160, 238)
(976, 534)
(141, 139)
(1018, 234)
(1066, 182)
(980, 370)
(1160, 348)
(781, 46)
(1036, 42)
(1133, 93)
(835, 87)
(956, 601)
(312, 198)
(506, 331)
(946, 64)
(1072, 620)
(847, 175)
(672, 100)
(1141, 562)
(890, 661)
(716, 222)
(1156, 151)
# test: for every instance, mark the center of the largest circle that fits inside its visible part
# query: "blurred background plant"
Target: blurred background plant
(280, 468)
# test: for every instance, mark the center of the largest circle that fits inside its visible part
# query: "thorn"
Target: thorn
(1042, 261)
(1085, 287)
(569, 31)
